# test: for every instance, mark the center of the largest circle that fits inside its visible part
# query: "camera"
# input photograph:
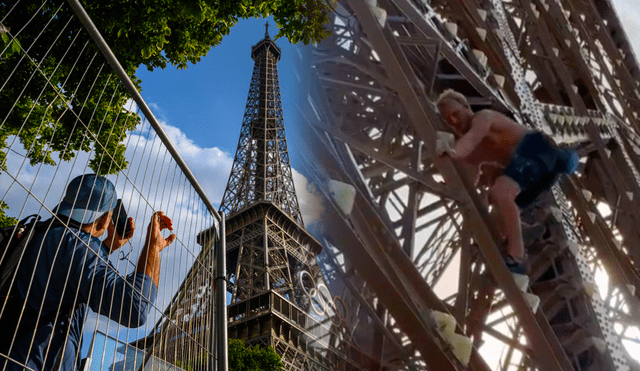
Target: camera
(121, 220)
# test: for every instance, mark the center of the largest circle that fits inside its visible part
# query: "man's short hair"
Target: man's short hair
(453, 95)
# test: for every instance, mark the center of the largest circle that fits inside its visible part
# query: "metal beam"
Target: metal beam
(549, 353)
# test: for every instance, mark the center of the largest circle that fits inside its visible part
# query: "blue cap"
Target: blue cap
(88, 197)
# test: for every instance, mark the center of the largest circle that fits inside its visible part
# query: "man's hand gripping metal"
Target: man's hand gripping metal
(445, 142)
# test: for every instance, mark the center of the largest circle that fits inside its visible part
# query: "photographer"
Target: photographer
(66, 269)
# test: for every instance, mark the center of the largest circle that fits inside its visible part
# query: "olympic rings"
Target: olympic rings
(320, 298)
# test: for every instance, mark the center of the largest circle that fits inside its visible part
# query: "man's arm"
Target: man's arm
(125, 301)
(149, 263)
(480, 125)
(149, 260)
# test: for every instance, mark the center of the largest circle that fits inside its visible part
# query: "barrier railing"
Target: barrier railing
(67, 109)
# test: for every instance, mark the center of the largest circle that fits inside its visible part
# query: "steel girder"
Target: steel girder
(385, 151)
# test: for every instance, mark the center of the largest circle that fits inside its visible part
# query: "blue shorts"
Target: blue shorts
(533, 167)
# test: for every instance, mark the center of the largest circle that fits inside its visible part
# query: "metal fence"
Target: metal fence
(68, 109)
(108, 353)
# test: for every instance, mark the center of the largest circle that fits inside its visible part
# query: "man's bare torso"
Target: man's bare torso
(496, 149)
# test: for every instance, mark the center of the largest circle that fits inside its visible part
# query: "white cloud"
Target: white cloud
(309, 198)
(211, 166)
(131, 106)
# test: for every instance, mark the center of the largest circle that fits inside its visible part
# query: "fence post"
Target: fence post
(221, 298)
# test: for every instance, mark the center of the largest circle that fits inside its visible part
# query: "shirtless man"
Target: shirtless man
(524, 162)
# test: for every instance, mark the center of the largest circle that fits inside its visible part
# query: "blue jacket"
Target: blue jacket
(70, 274)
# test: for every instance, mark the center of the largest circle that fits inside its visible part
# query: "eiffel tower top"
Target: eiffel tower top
(261, 170)
(265, 44)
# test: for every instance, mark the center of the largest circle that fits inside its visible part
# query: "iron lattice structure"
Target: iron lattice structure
(279, 295)
(261, 169)
(418, 234)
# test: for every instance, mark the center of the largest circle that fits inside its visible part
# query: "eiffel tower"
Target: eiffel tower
(279, 296)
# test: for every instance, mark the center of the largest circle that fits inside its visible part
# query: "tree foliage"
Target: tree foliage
(6, 221)
(58, 97)
(243, 358)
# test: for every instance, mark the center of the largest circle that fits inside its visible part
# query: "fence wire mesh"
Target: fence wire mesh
(64, 113)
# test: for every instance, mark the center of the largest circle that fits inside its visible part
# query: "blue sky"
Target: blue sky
(206, 101)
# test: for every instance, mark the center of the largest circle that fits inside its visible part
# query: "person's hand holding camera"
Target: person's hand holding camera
(114, 241)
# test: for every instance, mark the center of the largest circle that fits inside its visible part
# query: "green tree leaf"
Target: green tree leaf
(243, 358)
(6, 221)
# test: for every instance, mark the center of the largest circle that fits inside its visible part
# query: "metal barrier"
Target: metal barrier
(68, 108)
